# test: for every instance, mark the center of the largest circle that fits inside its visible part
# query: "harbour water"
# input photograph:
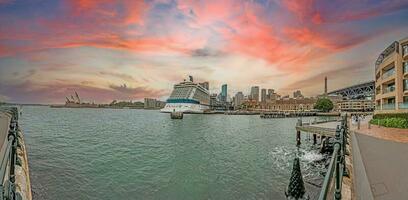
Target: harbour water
(143, 154)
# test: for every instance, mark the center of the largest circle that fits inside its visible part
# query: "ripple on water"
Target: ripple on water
(139, 154)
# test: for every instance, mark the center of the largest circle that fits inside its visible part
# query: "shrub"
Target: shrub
(392, 122)
(393, 115)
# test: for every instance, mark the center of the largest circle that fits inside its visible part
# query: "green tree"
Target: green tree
(324, 105)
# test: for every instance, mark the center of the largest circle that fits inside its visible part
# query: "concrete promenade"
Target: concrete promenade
(21, 170)
(380, 160)
(4, 128)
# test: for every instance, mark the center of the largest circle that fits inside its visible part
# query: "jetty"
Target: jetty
(337, 183)
(14, 171)
(176, 115)
(284, 114)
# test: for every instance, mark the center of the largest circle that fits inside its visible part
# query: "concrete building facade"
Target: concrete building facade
(362, 105)
(290, 104)
(391, 79)
(255, 93)
(238, 99)
(263, 95)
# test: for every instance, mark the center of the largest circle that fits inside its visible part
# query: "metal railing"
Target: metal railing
(405, 68)
(388, 106)
(9, 157)
(388, 73)
(389, 89)
(337, 168)
(403, 105)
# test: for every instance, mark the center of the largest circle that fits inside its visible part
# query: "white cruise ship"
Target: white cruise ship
(188, 97)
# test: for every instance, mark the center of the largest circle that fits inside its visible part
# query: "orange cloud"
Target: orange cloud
(54, 92)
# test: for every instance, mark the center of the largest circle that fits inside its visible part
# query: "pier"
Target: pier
(337, 182)
(283, 114)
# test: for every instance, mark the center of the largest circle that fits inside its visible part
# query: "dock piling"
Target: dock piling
(298, 139)
(314, 139)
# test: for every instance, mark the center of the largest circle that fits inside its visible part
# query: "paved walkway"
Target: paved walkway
(4, 125)
(393, 134)
(384, 161)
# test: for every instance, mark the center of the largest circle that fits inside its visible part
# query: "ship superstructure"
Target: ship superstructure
(188, 97)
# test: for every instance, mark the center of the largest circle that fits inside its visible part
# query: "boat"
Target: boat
(188, 97)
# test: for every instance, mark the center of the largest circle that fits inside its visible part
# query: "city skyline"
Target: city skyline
(129, 50)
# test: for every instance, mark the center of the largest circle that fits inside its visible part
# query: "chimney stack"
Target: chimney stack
(325, 85)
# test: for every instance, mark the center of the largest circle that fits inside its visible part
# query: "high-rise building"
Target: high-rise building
(224, 93)
(297, 94)
(270, 92)
(263, 95)
(391, 79)
(239, 99)
(255, 93)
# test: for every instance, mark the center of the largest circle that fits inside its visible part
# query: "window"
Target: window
(405, 49)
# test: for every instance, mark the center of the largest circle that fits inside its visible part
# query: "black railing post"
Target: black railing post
(337, 194)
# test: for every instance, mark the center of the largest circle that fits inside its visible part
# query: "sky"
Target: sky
(131, 49)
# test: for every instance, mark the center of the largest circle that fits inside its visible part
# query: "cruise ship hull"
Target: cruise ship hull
(184, 107)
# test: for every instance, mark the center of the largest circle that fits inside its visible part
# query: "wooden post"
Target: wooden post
(298, 138)
(314, 139)
(298, 142)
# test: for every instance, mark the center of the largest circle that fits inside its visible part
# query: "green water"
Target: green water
(140, 154)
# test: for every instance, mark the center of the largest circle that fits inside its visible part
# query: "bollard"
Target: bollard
(299, 123)
(296, 188)
(358, 124)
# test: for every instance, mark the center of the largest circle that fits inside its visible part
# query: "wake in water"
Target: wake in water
(311, 161)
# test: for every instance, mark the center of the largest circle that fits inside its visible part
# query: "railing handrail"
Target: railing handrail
(8, 190)
(337, 164)
(329, 174)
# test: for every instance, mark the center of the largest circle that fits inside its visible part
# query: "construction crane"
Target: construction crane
(77, 97)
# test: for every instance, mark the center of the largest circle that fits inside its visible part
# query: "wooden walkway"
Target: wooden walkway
(324, 129)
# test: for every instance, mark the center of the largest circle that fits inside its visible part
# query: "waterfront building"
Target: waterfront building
(255, 93)
(288, 104)
(263, 95)
(238, 99)
(150, 103)
(360, 105)
(297, 94)
(391, 79)
(304, 104)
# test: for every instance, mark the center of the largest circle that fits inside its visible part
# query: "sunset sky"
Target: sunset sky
(128, 50)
